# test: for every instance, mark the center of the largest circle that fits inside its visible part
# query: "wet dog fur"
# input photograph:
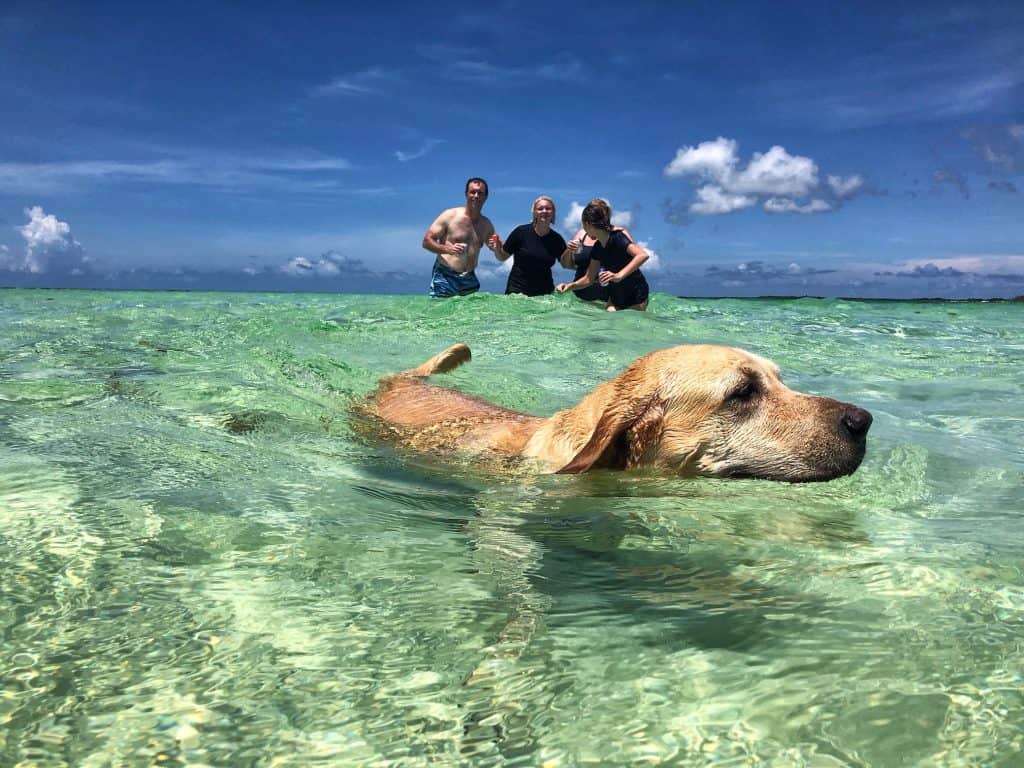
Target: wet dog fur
(694, 410)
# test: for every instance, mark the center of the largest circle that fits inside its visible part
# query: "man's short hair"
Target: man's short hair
(487, 191)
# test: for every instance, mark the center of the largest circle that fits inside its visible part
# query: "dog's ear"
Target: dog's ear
(621, 437)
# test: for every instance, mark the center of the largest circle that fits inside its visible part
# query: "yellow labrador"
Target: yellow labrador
(691, 410)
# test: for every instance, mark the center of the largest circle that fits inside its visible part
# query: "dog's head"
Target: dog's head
(715, 411)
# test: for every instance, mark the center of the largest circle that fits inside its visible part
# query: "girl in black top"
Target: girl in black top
(577, 256)
(535, 247)
(614, 261)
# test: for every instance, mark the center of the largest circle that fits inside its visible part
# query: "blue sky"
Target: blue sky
(855, 149)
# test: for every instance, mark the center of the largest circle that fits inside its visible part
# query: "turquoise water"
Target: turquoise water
(201, 565)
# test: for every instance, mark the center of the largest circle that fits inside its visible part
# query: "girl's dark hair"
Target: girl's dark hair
(598, 214)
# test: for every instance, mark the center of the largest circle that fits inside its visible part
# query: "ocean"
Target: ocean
(201, 563)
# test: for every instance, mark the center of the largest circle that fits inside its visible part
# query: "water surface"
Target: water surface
(200, 564)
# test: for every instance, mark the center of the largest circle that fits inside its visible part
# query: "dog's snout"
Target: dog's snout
(855, 420)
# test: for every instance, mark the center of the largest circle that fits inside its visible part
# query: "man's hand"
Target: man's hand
(494, 243)
(454, 249)
(563, 287)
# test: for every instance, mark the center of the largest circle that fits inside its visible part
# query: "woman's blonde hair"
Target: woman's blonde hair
(554, 210)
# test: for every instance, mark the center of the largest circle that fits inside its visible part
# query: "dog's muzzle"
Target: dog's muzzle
(855, 421)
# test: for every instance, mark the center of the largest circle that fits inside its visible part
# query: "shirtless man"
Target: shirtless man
(456, 237)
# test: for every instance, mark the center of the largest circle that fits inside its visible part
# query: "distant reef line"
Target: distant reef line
(767, 297)
(862, 298)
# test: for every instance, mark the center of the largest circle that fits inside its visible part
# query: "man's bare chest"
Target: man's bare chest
(464, 229)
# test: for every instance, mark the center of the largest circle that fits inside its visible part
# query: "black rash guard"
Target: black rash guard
(614, 256)
(595, 291)
(533, 257)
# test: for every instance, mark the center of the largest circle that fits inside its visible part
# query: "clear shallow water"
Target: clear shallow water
(201, 565)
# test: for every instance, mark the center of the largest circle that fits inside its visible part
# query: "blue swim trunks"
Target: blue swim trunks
(446, 282)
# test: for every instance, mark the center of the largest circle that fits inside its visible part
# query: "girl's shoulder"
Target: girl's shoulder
(620, 237)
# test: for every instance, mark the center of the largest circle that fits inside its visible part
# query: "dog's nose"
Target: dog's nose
(855, 420)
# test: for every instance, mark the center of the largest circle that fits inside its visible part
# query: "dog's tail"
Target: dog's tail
(442, 362)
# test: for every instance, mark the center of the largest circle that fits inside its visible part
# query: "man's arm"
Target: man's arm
(437, 232)
(494, 242)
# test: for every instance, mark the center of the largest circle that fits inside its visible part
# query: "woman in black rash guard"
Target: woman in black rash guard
(577, 256)
(614, 261)
(534, 248)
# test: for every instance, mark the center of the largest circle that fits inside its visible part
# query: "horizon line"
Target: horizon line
(760, 297)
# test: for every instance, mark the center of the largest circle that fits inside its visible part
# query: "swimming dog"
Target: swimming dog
(694, 410)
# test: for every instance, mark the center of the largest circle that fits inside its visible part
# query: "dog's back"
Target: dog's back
(430, 418)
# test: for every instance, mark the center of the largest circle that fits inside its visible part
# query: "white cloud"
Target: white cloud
(49, 247)
(1001, 147)
(301, 266)
(284, 172)
(785, 205)
(846, 187)
(571, 220)
(777, 173)
(781, 180)
(329, 264)
(470, 64)
(429, 144)
(357, 83)
(712, 199)
(773, 173)
(993, 264)
(488, 269)
(294, 164)
(566, 68)
(653, 264)
(710, 159)
(392, 248)
(995, 157)
(622, 219)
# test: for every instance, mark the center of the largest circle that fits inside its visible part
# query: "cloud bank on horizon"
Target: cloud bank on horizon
(883, 162)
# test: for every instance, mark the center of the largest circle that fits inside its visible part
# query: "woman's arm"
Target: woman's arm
(582, 282)
(568, 257)
(639, 257)
(498, 247)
